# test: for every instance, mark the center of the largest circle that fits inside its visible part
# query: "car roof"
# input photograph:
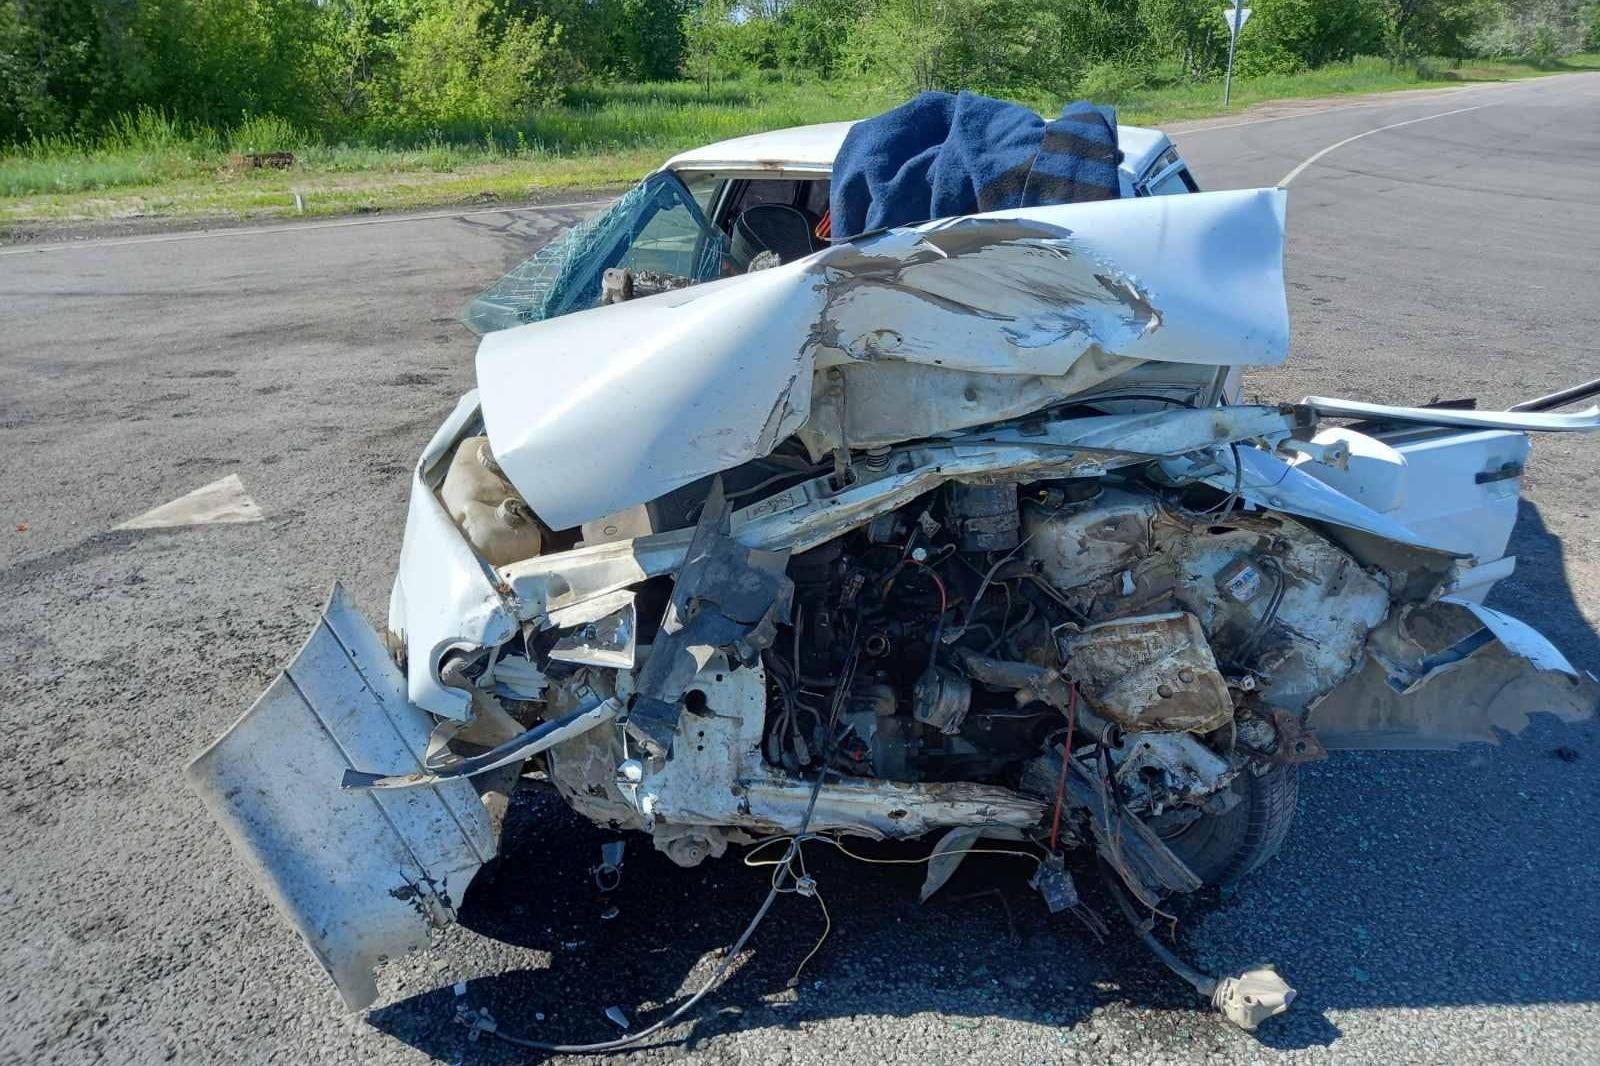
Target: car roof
(812, 148)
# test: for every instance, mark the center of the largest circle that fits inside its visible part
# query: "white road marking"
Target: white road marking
(220, 503)
(1176, 133)
(1296, 172)
(291, 227)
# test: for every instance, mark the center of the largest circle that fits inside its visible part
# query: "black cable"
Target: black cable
(1202, 983)
(1153, 397)
(847, 676)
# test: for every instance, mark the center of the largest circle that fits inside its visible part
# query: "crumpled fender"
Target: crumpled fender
(1448, 673)
(362, 876)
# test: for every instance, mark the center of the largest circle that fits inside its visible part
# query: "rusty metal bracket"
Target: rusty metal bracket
(1296, 743)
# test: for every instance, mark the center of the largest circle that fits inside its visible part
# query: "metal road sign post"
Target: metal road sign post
(1235, 17)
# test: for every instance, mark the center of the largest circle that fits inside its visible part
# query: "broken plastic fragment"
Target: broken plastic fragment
(608, 874)
(1251, 997)
(1054, 883)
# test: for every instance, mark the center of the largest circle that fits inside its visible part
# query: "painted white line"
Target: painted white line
(292, 227)
(222, 502)
(1281, 118)
(1297, 171)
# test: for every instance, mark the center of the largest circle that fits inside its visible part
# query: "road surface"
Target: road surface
(1431, 908)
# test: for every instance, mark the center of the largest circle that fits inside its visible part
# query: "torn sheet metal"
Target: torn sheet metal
(592, 713)
(1141, 858)
(1182, 768)
(1518, 637)
(599, 410)
(805, 515)
(727, 596)
(1451, 673)
(606, 641)
(1527, 421)
(1267, 481)
(362, 877)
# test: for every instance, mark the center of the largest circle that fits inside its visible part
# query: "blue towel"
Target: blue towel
(942, 154)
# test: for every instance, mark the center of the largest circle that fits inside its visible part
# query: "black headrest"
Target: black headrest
(778, 228)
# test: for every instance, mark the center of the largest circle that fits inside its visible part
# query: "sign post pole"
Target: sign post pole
(1235, 17)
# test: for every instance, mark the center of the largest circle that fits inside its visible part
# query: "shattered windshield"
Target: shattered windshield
(658, 226)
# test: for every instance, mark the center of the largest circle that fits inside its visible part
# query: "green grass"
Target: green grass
(149, 165)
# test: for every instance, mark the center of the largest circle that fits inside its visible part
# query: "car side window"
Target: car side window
(705, 188)
(1171, 183)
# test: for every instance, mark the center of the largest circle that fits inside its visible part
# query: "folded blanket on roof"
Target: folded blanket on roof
(945, 154)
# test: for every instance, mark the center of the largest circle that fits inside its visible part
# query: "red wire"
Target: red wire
(1066, 753)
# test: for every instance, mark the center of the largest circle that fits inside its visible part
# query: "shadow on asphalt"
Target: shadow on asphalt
(1412, 880)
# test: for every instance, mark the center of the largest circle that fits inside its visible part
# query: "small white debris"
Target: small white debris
(461, 988)
(618, 1018)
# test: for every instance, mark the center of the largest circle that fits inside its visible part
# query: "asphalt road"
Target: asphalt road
(1430, 907)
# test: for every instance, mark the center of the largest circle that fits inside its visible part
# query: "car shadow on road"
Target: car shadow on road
(1540, 592)
(1443, 879)
(984, 947)
(1413, 880)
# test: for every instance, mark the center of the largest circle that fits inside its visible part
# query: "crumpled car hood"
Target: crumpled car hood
(607, 408)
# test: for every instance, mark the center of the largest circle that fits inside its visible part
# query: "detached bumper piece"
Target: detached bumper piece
(362, 875)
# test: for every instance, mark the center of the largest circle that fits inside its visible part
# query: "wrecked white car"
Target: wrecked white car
(953, 530)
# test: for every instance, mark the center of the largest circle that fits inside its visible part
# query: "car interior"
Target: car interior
(787, 217)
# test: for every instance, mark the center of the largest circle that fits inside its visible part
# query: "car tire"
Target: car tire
(1224, 848)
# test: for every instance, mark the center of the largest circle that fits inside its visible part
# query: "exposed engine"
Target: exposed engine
(976, 608)
(956, 643)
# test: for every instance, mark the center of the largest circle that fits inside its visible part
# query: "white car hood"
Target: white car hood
(600, 410)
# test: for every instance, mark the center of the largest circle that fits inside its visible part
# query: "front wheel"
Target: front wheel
(1224, 848)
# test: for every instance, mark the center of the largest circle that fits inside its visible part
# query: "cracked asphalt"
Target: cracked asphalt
(1435, 908)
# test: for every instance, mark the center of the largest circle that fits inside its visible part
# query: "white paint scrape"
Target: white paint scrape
(220, 503)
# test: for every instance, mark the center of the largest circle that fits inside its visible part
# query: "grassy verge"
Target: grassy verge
(151, 167)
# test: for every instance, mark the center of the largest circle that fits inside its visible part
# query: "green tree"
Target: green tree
(1433, 27)
(809, 35)
(1289, 35)
(1538, 29)
(67, 66)
(1189, 31)
(467, 61)
(1005, 47)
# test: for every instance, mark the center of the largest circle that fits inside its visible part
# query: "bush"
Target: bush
(462, 61)
(1112, 82)
(267, 133)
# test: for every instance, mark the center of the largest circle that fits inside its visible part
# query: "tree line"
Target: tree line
(354, 68)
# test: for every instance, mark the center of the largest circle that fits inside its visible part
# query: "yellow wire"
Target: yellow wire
(827, 927)
(827, 919)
